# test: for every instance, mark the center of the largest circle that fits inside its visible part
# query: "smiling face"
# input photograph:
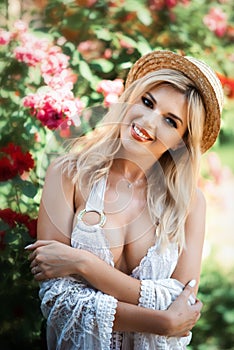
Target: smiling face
(155, 123)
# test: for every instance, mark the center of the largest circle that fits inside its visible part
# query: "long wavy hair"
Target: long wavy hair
(172, 180)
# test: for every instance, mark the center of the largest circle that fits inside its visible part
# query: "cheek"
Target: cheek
(169, 139)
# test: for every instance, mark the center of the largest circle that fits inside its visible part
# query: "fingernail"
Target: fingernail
(192, 283)
(27, 246)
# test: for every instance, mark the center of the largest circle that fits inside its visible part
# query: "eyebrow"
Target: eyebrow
(170, 114)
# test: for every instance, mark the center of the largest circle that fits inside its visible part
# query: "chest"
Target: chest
(128, 230)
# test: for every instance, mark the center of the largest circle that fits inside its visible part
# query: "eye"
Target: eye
(147, 102)
(171, 122)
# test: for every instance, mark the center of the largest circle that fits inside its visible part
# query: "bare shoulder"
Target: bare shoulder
(57, 183)
(56, 169)
(56, 173)
(56, 210)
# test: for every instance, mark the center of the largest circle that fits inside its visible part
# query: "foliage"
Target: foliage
(57, 60)
(215, 329)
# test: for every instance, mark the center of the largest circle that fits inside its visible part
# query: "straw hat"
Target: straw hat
(200, 73)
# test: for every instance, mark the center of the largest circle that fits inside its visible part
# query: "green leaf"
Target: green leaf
(143, 47)
(29, 189)
(85, 71)
(11, 237)
(106, 66)
(128, 40)
(3, 226)
(102, 33)
(144, 16)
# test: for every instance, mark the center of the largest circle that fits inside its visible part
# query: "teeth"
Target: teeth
(138, 132)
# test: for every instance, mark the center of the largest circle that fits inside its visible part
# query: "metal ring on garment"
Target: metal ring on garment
(102, 221)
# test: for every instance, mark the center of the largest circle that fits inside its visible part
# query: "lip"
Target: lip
(143, 136)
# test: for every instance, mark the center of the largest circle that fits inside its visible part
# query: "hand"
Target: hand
(182, 315)
(51, 259)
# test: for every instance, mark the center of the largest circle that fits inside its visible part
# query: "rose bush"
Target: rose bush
(57, 62)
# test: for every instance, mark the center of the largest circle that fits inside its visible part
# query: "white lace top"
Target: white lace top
(81, 317)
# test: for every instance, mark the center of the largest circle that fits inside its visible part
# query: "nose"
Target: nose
(152, 120)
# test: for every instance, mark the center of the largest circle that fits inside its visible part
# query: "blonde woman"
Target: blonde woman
(121, 222)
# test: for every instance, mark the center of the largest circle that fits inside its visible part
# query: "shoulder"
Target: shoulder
(57, 180)
(56, 171)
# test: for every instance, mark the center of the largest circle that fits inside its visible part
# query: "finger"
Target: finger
(35, 270)
(198, 306)
(39, 277)
(32, 256)
(189, 288)
(186, 334)
(38, 243)
(33, 264)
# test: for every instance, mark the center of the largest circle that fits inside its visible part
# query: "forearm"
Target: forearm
(108, 279)
(132, 318)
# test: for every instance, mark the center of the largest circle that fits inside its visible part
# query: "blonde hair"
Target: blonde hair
(168, 195)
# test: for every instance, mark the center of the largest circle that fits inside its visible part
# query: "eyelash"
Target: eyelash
(171, 122)
(148, 103)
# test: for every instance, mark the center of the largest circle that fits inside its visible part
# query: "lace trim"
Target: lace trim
(147, 294)
(78, 317)
(155, 264)
(116, 341)
(159, 295)
(105, 315)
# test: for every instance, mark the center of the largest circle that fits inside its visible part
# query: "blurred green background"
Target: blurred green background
(58, 59)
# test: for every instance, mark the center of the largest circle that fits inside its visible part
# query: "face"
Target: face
(155, 123)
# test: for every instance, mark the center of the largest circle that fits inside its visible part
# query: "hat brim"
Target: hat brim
(205, 80)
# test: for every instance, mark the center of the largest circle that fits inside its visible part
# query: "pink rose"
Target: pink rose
(111, 86)
(5, 37)
(216, 21)
(54, 61)
(20, 26)
(32, 50)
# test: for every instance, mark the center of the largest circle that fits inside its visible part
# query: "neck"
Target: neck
(135, 163)
(129, 170)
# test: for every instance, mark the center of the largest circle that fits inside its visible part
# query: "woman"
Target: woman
(121, 221)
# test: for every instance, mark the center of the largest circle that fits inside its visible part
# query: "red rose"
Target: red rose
(32, 227)
(9, 216)
(14, 161)
(7, 169)
(12, 218)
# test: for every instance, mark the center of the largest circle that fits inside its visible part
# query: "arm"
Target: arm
(56, 212)
(57, 259)
(177, 320)
(114, 282)
(189, 263)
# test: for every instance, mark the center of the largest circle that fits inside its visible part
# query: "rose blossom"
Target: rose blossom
(111, 89)
(12, 218)
(20, 26)
(54, 62)
(5, 37)
(53, 107)
(110, 86)
(66, 77)
(32, 50)
(14, 162)
(216, 21)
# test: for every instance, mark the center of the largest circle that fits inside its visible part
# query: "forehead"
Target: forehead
(166, 86)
